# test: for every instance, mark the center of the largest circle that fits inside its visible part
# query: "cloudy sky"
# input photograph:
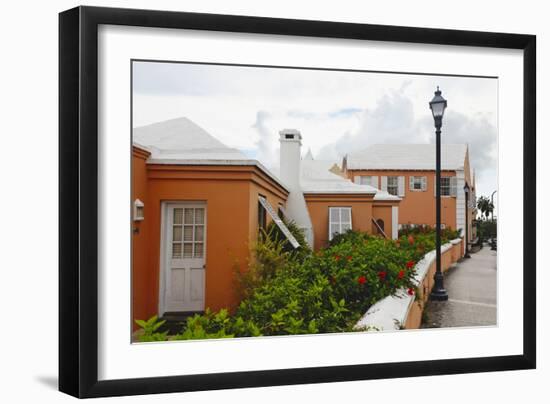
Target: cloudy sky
(336, 112)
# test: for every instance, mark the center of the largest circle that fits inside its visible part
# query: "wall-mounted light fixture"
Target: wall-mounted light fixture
(138, 210)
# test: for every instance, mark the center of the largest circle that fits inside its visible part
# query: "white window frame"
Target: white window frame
(392, 177)
(339, 223)
(417, 180)
(371, 180)
(441, 185)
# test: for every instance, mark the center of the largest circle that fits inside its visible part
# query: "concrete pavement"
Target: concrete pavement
(472, 289)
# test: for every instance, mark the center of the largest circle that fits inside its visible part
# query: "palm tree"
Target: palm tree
(485, 205)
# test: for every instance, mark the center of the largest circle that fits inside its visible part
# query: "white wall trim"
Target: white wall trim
(163, 259)
(394, 222)
(460, 201)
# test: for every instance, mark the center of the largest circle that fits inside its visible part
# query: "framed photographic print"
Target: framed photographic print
(250, 201)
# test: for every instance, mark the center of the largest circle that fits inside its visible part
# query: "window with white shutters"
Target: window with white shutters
(417, 183)
(371, 180)
(393, 185)
(339, 220)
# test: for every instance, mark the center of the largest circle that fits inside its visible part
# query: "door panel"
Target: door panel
(185, 249)
(197, 284)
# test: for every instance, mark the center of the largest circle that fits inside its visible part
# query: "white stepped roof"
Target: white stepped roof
(182, 139)
(316, 178)
(407, 157)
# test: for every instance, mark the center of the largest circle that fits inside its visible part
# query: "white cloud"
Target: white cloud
(336, 112)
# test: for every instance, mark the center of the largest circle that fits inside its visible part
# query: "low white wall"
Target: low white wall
(391, 312)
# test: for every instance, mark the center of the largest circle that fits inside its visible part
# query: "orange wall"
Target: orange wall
(383, 212)
(274, 196)
(418, 207)
(141, 276)
(318, 207)
(230, 193)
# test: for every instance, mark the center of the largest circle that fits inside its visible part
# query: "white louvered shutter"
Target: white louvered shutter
(357, 179)
(424, 183)
(411, 183)
(374, 181)
(384, 186)
(401, 186)
(453, 186)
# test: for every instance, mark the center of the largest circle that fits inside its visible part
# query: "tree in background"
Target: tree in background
(485, 206)
(486, 229)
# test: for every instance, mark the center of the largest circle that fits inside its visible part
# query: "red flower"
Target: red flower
(411, 240)
(401, 274)
(410, 291)
(361, 280)
(349, 257)
(382, 275)
(397, 243)
(410, 264)
(337, 257)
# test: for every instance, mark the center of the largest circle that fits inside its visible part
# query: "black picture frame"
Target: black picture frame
(78, 200)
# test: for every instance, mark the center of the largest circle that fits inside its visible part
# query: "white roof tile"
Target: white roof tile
(316, 178)
(182, 139)
(407, 157)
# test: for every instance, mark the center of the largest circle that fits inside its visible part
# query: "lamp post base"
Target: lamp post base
(467, 255)
(439, 293)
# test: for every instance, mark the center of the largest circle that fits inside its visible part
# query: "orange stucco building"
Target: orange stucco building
(408, 171)
(197, 206)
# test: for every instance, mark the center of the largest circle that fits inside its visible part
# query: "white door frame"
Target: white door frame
(164, 258)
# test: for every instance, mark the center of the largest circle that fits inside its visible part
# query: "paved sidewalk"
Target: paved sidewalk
(472, 289)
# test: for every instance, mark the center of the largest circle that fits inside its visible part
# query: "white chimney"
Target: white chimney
(291, 142)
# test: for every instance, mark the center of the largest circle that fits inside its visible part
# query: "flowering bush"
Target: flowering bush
(321, 292)
(446, 233)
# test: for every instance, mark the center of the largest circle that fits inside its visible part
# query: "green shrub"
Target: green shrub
(269, 257)
(150, 330)
(276, 235)
(217, 325)
(486, 229)
(446, 233)
(352, 236)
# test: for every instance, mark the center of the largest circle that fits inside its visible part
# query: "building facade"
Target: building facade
(408, 171)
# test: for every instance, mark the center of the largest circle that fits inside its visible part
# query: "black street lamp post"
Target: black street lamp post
(466, 209)
(438, 105)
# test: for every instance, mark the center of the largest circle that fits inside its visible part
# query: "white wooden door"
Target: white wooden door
(185, 249)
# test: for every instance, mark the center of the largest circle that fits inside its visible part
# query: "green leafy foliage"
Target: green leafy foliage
(150, 330)
(446, 234)
(486, 229)
(270, 258)
(275, 234)
(217, 325)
